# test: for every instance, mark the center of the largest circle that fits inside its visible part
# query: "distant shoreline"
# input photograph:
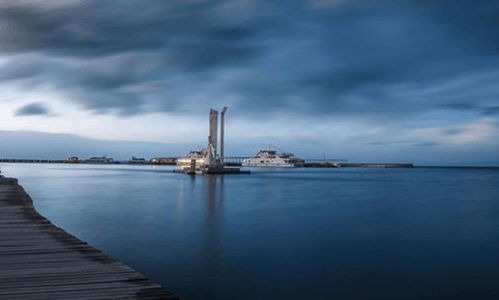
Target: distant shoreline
(64, 161)
(342, 165)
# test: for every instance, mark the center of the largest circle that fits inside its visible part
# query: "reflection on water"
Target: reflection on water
(213, 189)
(312, 234)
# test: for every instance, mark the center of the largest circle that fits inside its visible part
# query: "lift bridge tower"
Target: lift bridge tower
(212, 137)
(214, 160)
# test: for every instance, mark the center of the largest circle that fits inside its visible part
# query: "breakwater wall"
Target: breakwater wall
(65, 161)
(230, 163)
(374, 165)
(356, 165)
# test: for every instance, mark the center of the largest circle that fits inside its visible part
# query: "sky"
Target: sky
(363, 80)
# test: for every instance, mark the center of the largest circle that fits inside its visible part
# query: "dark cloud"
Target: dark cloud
(94, 28)
(427, 144)
(489, 111)
(453, 131)
(32, 109)
(461, 106)
(472, 107)
(401, 143)
(385, 59)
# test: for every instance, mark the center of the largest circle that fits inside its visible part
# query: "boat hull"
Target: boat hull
(268, 166)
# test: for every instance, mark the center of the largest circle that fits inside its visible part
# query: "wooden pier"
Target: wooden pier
(41, 261)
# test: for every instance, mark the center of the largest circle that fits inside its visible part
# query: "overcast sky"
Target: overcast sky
(367, 80)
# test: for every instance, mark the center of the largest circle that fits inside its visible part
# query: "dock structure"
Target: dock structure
(208, 160)
(375, 165)
(41, 261)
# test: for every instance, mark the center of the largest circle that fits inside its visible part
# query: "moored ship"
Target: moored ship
(273, 158)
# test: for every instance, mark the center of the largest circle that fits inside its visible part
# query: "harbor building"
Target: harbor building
(137, 160)
(74, 159)
(163, 160)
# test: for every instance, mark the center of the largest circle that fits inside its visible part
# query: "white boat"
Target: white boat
(196, 158)
(273, 158)
(99, 160)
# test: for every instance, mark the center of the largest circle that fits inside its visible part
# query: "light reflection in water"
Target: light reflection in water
(214, 191)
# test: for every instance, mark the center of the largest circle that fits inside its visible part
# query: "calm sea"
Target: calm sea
(422, 233)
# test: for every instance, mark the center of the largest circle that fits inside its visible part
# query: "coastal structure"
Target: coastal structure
(222, 136)
(137, 160)
(163, 160)
(41, 261)
(74, 159)
(234, 161)
(207, 160)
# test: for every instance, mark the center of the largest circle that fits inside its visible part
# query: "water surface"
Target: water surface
(422, 233)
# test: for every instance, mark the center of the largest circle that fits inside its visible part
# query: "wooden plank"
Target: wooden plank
(41, 261)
